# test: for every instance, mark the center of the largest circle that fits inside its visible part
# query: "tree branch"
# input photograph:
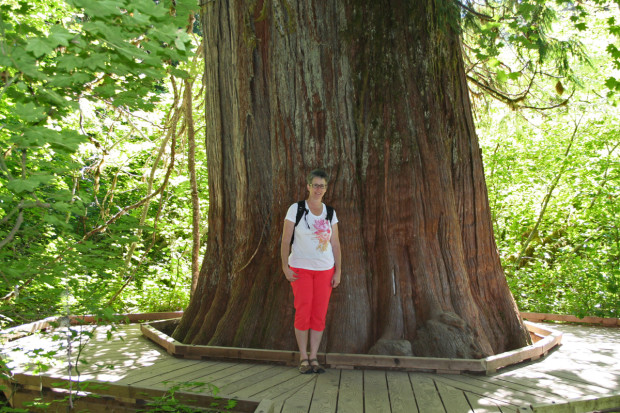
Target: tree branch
(18, 223)
(547, 197)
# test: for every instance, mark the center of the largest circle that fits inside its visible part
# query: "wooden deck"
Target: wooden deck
(582, 375)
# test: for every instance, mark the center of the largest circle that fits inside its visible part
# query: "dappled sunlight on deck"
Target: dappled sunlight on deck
(586, 365)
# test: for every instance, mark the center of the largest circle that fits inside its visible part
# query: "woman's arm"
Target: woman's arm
(335, 241)
(285, 249)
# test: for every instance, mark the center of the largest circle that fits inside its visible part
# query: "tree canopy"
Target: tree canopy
(95, 191)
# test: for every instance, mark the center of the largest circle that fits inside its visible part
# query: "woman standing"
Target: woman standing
(312, 265)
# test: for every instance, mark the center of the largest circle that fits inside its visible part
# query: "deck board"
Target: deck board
(401, 394)
(481, 404)
(300, 400)
(351, 389)
(426, 395)
(586, 365)
(454, 400)
(494, 389)
(287, 389)
(376, 396)
(325, 399)
(257, 377)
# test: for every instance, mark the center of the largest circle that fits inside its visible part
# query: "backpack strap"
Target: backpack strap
(330, 213)
(301, 210)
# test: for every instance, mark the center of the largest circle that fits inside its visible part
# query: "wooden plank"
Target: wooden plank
(264, 374)
(350, 397)
(558, 387)
(405, 363)
(300, 400)
(152, 371)
(426, 394)
(606, 379)
(213, 376)
(173, 372)
(481, 404)
(587, 404)
(124, 392)
(237, 353)
(402, 398)
(265, 406)
(248, 370)
(454, 400)
(325, 398)
(281, 377)
(611, 322)
(201, 369)
(376, 396)
(495, 389)
(287, 389)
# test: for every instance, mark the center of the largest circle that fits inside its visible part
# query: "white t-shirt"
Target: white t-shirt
(312, 249)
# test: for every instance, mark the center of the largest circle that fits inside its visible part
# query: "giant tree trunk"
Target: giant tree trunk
(375, 93)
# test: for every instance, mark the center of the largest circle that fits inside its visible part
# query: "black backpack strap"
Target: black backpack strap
(301, 210)
(330, 213)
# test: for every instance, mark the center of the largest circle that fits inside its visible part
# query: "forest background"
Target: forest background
(103, 171)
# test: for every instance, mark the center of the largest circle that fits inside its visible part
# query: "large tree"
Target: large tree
(375, 93)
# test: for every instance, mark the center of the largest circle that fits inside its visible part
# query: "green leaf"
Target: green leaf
(30, 112)
(581, 26)
(612, 83)
(40, 46)
(501, 76)
(101, 8)
(179, 73)
(22, 185)
(60, 35)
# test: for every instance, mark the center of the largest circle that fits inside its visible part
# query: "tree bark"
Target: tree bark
(375, 93)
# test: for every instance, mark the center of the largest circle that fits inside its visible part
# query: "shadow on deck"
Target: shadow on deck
(127, 372)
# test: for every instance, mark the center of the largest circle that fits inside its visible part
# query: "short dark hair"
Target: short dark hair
(317, 173)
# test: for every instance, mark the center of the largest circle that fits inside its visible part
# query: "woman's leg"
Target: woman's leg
(315, 342)
(302, 291)
(322, 290)
(302, 343)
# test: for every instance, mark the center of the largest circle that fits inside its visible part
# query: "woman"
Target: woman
(312, 265)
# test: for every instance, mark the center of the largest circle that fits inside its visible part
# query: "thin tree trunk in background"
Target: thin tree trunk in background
(547, 198)
(191, 164)
(375, 93)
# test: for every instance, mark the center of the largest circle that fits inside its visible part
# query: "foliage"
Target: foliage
(553, 188)
(85, 104)
(514, 53)
(95, 196)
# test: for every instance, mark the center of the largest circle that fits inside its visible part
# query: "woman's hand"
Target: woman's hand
(336, 279)
(289, 274)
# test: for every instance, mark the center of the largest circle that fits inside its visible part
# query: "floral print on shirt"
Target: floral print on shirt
(322, 234)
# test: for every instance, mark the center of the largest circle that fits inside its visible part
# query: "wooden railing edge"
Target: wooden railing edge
(610, 403)
(129, 392)
(551, 338)
(569, 318)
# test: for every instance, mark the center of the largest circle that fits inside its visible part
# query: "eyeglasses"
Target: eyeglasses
(319, 186)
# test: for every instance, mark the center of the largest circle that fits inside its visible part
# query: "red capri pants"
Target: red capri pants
(312, 290)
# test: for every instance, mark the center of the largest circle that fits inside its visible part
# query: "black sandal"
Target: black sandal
(305, 368)
(316, 368)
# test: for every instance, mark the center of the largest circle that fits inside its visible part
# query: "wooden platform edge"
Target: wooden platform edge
(23, 330)
(586, 404)
(23, 384)
(550, 338)
(538, 317)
